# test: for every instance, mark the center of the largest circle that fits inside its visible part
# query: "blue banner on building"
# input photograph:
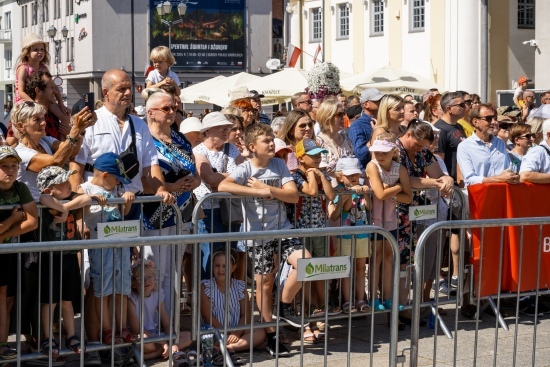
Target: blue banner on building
(210, 36)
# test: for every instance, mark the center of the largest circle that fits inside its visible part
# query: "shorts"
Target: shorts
(65, 271)
(317, 246)
(103, 263)
(263, 256)
(8, 273)
(430, 266)
(363, 247)
(378, 237)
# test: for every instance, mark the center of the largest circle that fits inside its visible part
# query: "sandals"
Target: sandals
(186, 311)
(46, 347)
(218, 358)
(320, 335)
(75, 347)
(6, 352)
(309, 337)
(128, 336)
(363, 307)
(108, 335)
(346, 308)
(179, 359)
(193, 358)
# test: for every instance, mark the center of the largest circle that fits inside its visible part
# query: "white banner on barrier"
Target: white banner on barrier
(421, 212)
(320, 268)
(124, 229)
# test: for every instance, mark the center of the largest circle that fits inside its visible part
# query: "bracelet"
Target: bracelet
(71, 140)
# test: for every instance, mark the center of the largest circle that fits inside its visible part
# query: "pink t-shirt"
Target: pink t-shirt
(384, 213)
(29, 71)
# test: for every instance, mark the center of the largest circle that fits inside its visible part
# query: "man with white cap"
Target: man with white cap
(360, 132)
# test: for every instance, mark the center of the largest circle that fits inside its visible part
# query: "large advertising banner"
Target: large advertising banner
(210, 36)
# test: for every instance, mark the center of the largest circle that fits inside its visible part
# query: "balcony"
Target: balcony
(5, 36)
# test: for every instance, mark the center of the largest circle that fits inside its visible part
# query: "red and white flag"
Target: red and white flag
(148, 69)
(317, 52)
(292, 55)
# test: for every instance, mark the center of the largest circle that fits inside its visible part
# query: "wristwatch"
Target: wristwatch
(71, 140)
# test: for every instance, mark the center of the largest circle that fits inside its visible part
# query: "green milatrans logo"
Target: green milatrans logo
(423, 212)
(321, 269)
(119, 229)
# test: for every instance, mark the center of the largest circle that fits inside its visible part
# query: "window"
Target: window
(343, 21)
(70, 49)
(34, 10)
(56, 9)
(69, 7)
(526, 13)
(45, 10)
(377, 18)
(7, 59)
(417, 15)
(24, 16)
(316, 24)
(7, 20)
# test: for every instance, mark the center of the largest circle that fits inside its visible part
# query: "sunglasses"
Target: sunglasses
(461, 105)
(468, 102)
(340, 114)
(527, 136)
(166, 109)
(504, 126)
(303, 126)
(308, 102)
(488, 118)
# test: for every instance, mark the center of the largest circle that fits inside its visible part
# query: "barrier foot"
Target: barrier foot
(221, 343)
(442, 324)
(137, 356)
(493, 306)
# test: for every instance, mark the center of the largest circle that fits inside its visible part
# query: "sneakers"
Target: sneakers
(92, 359)
(527, 307)
(289, 315)
(441, 286)
(454, 281)
(271, 348)
(388, 304)
(105, 356)
(377, 305)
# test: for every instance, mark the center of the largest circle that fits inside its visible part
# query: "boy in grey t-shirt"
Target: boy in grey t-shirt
(269, 183)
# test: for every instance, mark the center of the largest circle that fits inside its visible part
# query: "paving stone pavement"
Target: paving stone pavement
(371, 347)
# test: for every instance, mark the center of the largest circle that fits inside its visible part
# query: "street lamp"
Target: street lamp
(165, 8)
(52, 32)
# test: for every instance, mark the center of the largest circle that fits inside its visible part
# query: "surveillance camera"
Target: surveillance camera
(526, 42)
(532, 43)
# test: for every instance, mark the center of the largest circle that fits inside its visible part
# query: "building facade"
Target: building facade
(473, 45)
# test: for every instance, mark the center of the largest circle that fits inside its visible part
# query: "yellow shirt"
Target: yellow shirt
(468, 128)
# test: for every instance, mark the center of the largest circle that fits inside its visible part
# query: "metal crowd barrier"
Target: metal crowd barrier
(505, 295)
(23, 249)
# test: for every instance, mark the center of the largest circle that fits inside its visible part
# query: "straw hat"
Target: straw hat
(32, 38)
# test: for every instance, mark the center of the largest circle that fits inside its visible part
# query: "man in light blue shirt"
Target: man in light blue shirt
(535, 166)
(483, 157)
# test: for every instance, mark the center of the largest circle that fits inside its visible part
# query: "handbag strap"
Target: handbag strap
(133, 132)
(225, 156)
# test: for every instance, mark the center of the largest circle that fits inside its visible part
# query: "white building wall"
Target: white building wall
(522, 57)
(376, 48)
(416, 45)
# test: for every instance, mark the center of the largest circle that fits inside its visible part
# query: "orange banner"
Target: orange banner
(494, 201)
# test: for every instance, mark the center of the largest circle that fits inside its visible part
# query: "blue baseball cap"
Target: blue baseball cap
(111, 163)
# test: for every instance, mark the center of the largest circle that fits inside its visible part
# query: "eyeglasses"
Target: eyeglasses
(461, 105)
(166, 109)
(468, 102)
(340, 114)
(527, 136)
(487, 118)
(308, 101)
(248, 110)
(305, 125)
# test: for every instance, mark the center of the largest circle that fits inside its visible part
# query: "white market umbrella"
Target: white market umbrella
(389, 80)
(189, 94)
(218, 92)
(279, 87)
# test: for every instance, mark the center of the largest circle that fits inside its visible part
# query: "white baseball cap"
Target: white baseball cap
(348, 165)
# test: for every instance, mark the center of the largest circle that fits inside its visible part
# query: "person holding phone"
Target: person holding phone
(177, 163)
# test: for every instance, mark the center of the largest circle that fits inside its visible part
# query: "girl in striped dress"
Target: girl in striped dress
(213, 304)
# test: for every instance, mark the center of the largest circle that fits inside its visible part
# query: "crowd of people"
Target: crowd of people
(339, 161)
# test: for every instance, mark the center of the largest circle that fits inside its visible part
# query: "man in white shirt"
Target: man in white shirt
(112, 133)
(535, 166)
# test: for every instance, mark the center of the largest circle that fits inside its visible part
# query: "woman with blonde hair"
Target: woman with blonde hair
(330, 117)
(390, 114)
